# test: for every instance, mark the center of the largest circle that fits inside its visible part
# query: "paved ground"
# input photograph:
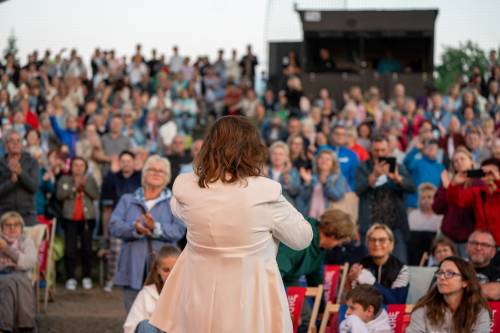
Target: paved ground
(83, 312)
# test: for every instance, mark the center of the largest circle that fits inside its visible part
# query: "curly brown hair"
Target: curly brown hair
(232, 151)
(471, 305)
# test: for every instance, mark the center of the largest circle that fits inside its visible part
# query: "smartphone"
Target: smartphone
(391, 161)
(475, 173)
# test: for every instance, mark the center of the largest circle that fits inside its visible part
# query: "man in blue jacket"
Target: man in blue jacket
(426, 169)
(348, 159)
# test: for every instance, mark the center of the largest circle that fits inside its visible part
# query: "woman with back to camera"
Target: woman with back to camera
(453, 304)
(227, 278)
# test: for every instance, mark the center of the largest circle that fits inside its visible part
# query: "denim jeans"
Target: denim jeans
(145, 327)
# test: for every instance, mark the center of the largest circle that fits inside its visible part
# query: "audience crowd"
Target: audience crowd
(413, 180)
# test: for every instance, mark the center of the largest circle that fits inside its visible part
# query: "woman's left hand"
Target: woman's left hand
(149, 221)
(3, 244)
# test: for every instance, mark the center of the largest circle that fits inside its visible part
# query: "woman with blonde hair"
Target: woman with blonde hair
(323, 185)
(227, 279)
(458, 223)
(380, 268)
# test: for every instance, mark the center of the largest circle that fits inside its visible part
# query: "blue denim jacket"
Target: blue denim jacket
(334, 189)
(134, 250)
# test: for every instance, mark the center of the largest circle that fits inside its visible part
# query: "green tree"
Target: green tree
(459, 61)
(11, 45)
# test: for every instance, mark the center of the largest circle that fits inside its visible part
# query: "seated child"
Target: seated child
(145, 302)
(365, 312)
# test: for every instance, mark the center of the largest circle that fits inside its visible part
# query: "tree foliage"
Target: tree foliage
(459, 61)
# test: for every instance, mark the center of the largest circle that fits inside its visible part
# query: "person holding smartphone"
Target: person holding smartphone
(485, 199)
(381, 185)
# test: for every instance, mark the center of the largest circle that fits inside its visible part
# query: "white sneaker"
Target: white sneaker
(87, 283)
(71, 284)
(108, 286)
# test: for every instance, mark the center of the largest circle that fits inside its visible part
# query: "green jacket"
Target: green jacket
(309, 262)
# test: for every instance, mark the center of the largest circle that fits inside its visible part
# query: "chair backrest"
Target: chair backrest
(330, 309)
(296, 297)
(334, 277)
(420, 281)
(36, 233)
(495, 317)
(399, 316)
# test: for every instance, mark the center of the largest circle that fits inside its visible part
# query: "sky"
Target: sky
(202, 27)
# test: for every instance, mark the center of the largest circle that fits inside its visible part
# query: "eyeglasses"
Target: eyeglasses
(12, 225)
(156, 171)
(382, 240)
(480, 244)
(446, 274)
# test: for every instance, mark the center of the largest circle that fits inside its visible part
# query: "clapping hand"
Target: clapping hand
(3, 245)
(149, 221)
(306, 175)
(140, 229)
(354, 272)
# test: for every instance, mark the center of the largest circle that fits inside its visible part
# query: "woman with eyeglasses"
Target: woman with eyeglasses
(380, 268)
(17, 259)
(143, 220)
(453, 304)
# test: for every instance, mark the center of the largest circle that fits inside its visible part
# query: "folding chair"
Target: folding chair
(317, 293)
(37, 234)
(424, 259)
(313, 292)
(332, 275)
(399, 316)
(50, 273)
(495, 316)
(330, 309)
(47, 268)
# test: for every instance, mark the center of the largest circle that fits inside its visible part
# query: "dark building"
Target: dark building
(363, 47)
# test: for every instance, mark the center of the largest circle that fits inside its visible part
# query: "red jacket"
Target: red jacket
(486, 205)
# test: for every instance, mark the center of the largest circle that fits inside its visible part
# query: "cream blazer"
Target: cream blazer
(227, 278)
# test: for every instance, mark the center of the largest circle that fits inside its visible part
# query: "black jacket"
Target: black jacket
(20, 196)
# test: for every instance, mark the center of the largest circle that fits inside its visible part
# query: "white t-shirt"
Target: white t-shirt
(151, 203)
(420, 222)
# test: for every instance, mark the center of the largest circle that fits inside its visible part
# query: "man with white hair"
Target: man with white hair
(18, 179)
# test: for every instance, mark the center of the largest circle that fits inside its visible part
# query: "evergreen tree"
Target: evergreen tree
(11, 45)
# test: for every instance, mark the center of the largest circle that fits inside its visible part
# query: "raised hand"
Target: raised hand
(445, 178)
(306, 175)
